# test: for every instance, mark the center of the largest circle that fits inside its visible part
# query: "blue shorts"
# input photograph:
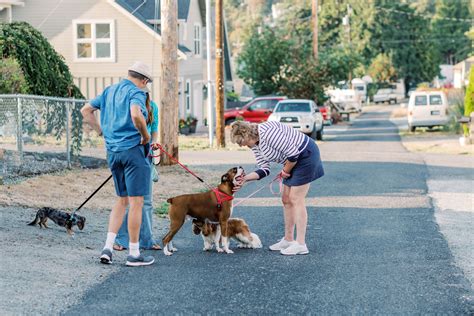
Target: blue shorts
(131, 171)
(308, 166)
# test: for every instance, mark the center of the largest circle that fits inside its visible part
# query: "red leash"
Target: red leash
(270, 184)
(158, 146)
(221, 196)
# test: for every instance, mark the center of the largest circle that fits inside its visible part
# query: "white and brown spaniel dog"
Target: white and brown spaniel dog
(237, 229)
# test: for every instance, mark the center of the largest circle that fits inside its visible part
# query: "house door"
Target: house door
(198, 103)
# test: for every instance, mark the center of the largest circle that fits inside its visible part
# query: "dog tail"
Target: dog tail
(33, 223)
(170, 200)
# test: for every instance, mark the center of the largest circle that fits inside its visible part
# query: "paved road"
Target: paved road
(375, 247)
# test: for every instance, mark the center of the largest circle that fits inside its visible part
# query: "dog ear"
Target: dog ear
(224, 178)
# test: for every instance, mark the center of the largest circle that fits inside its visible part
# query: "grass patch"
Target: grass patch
(162, 209)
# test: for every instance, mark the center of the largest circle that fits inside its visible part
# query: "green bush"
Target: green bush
(45, 73)
(12, 80)
(456, 110)
(469, 100)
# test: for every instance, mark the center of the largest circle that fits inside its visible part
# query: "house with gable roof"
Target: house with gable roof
(100, 39)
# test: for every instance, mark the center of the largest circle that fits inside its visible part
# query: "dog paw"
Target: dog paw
(228, 251)
(166, 252)
(220, 250)
(206, 249)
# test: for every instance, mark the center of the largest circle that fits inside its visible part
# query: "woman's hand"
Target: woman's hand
(284, 174)
(239, 183)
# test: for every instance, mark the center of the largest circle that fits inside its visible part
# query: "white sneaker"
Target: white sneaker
(295, 249)
(282, 244)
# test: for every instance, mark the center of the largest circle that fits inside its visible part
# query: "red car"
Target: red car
(326, 113)
(256, 111)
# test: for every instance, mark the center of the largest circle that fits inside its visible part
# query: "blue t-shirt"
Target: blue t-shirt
(153, 127)
(115, 116)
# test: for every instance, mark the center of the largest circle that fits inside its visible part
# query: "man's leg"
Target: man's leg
(137, 178)
(135, 217)
(115, 221)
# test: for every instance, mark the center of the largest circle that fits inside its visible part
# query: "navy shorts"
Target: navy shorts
(131, 171)
(308, 166)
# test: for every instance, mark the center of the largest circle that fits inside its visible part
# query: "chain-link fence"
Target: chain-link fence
(35, 131)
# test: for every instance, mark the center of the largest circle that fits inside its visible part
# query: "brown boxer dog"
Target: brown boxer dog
(204, 206)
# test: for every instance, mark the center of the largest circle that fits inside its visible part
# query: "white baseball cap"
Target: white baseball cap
(143, 69)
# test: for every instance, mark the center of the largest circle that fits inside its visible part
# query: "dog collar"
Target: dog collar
(221, 197)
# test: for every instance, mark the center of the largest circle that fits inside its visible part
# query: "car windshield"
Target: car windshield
(293, 107)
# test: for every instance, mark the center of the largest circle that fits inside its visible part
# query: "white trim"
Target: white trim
(155, 35)
(93, 41)
(187, 96)
(198, 27)
(185, 30)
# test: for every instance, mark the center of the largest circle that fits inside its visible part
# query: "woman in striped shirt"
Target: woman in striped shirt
(299, 155)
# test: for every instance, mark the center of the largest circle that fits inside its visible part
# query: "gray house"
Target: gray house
(99, 39)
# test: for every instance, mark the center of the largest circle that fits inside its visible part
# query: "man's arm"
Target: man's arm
(140, 123)
(87, 112)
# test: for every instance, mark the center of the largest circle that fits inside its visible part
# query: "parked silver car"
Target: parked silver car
(386, 95)
(303, 115)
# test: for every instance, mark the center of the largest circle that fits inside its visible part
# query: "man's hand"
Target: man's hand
(145, 139)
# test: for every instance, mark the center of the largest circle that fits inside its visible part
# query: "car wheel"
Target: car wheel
(314, 133)
(319, 134)
(229, 121)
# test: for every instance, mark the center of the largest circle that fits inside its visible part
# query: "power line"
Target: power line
(425, 16)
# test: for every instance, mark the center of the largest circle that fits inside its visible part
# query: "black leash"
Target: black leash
(97, 190)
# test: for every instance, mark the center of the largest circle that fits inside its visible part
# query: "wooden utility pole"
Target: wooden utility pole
(220, 124)
(314, 18)
(169, 81)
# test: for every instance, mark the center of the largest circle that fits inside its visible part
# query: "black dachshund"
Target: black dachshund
(61, 218)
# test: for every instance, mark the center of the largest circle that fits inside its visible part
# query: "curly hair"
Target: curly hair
(241, 130)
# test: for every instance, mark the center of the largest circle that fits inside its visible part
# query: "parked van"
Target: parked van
(427, 109)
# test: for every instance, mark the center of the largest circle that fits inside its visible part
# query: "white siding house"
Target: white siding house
(100, 39)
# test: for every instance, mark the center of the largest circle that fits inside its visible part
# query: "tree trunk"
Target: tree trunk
(169, 81)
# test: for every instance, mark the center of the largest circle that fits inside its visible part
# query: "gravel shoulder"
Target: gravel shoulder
(55, 269)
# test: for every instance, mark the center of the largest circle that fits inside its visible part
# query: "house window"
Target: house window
(94, 40)
(187, 94)
(197, 39)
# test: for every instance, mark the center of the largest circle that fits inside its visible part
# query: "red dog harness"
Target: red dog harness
(221, 197)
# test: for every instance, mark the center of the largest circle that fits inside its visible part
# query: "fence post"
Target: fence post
(68, 134)
(19, 134)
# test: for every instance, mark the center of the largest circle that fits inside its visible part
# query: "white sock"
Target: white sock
(109, 243)
(134, 249)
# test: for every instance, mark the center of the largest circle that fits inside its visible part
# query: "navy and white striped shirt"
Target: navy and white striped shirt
(277, 143)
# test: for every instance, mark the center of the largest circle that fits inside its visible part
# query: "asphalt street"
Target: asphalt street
(375, 246)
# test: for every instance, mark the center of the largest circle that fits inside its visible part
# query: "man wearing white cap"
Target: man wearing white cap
(123, 123)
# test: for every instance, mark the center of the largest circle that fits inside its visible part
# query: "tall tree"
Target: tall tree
(262, 59)
(398, 31)
(451, 22)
